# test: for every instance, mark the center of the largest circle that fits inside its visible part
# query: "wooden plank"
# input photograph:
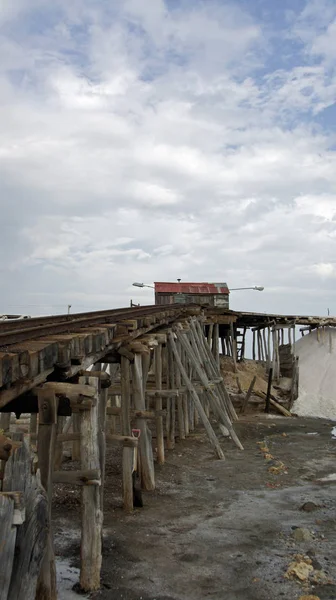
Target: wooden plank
(22, 387)
(89, 477)
(92, 515)
(31, 536)
(72, 391)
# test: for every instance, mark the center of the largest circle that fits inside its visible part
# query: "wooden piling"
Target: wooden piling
(211, 434)
(147, 474)
(92, 515)
(128, 452)
(47, 403)
(158, 405)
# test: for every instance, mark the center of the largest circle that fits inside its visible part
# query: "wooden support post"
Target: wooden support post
(92, 515)
(215, 344)
(243, 345)
(234, 347)
(210, 335)
(293, 344)
(217, 405)
(211, 368)
(185, 399)
(265, 345)
(268, 394)
(59, 444)
(146, 359)
(253, 344)
(103, 397)
(211, 434)
(147, 474)
(33, 424)
(180, 417)
(128, 452)
(171, 402)
(158, 405)
(5, 419)
(76, 429)
(248, 395)
(47, 403)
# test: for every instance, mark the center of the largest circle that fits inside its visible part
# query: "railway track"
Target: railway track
(14, 332)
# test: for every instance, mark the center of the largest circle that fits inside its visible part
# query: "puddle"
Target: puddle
(66, 578)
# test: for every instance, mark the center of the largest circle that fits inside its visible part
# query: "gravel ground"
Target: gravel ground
(218, 529)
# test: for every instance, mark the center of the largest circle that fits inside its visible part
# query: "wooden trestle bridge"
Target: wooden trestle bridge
(116, 377)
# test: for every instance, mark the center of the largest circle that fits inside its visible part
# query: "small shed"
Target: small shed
(205, 294)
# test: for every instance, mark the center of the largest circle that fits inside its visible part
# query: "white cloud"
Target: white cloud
(141, 142)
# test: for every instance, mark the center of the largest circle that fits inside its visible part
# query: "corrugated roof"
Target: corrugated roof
(191, 288)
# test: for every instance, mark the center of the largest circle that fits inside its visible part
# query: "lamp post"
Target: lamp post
(142, 285)
(257, 288)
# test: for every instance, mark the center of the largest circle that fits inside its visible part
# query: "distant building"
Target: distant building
(205, 294)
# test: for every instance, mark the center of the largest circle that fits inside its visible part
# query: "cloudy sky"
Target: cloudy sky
(147, 140)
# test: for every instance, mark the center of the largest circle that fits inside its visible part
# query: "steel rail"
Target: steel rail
(44, 320)
(45, 326)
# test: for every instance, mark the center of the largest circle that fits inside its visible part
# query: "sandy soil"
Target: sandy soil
(214, 529)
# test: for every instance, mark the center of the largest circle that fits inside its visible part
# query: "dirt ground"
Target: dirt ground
(218, 529)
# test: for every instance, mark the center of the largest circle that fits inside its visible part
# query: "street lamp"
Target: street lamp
(142, 285)
(258, 288)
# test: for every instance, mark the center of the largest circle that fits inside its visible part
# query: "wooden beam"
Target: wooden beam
(89, 477)
(22, 387)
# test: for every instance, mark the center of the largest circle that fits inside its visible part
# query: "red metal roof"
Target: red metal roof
(191, 288)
